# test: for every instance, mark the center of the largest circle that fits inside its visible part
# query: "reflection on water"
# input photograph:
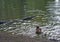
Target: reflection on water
(57, 6)
(28, 27)
(17, 27)
(54, 8)
(56, 0)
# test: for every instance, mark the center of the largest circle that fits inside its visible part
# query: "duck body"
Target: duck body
(38, 30)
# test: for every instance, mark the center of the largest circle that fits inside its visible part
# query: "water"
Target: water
(54, 9)
(56, 0)
(17, 28)
(10, 9)
(47, 16)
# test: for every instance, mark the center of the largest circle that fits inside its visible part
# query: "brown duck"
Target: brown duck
(38, 30)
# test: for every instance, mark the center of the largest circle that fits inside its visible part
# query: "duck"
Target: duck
(38, 30)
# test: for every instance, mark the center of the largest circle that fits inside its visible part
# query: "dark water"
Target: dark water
(15, 9)
(11, 9)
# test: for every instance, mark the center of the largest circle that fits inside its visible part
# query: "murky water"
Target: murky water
(48, 20)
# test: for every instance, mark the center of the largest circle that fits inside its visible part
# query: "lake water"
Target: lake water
(47, 16)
